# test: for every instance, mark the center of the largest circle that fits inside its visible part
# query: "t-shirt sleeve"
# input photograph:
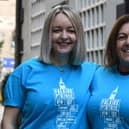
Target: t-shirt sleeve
(14, 92)
(16, 86)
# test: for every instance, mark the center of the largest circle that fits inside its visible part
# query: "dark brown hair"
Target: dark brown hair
(111, 57)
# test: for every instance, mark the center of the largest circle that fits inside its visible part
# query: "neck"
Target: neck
(123, 69)
(60, 59)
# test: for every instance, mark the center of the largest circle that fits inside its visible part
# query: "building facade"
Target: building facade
(98, 17)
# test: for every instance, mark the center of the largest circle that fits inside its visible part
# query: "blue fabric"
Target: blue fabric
(49, 98)
(108, 106)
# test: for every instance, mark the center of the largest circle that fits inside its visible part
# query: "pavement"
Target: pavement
(1, 112)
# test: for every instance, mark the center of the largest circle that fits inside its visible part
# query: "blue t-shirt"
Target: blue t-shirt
(50, 97)
(108, 106)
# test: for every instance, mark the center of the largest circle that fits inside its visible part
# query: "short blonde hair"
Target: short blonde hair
(78, 53)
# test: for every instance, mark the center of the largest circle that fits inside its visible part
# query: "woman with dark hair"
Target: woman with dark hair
(51, 92)
(108, 107)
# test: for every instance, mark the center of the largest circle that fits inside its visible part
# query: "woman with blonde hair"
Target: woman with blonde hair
(51, 92)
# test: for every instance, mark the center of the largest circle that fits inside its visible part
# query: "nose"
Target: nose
(64, 35)
(128, 39)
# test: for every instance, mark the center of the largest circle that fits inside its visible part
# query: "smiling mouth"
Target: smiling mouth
(64, 43)
(126, 49)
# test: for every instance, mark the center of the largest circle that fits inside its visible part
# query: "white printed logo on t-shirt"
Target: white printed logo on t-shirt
(65, 103)
(109, 110)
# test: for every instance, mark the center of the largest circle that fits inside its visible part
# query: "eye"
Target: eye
(56, 30)
(122, 37)
(71, 30)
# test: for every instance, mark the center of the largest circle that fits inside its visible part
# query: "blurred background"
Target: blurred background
(7, 41)
(21, 23)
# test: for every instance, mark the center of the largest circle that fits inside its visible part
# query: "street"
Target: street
(1, 112)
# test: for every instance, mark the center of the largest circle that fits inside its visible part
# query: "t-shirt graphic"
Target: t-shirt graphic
(67, 108)
(109, 110)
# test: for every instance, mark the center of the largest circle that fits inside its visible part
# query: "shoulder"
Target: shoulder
(104, 71)
(90, 65)
(89, 68)
(28, 66)
(33, 62)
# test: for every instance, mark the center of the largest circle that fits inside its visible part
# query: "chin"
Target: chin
(64, 51)
(124, 63)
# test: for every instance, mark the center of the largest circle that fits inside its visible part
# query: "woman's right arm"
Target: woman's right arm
(10, 118)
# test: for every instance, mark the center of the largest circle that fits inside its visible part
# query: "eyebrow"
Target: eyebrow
(69, 27)
(122, 33)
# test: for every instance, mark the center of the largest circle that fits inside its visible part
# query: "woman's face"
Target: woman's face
(122, 45)
(63, 35)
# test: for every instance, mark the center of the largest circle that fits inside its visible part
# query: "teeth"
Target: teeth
(64, 43)
(126, 49)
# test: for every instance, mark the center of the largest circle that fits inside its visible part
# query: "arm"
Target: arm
(10, 118)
